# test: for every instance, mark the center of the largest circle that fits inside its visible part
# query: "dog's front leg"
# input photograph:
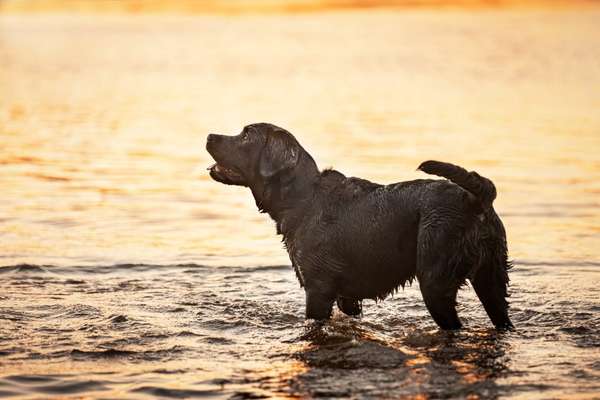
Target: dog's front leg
(319, 303)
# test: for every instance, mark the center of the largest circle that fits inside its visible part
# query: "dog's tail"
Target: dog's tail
(482, 188)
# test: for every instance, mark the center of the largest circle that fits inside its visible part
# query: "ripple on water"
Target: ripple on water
(24, 269)
(57, 384)
(137, 355)
(354, 354)
(176, 393)
(117, 319)
(153, 322)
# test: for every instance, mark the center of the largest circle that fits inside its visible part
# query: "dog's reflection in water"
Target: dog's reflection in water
(342, 357)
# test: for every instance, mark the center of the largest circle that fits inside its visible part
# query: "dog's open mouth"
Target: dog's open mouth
(226, 175)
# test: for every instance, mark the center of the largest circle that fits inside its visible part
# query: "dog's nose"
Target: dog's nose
(211, 141)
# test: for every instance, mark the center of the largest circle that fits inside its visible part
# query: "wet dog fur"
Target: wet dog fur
(350, 239)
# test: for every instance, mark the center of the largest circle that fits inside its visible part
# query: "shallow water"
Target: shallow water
(105, 198)
(195, 331)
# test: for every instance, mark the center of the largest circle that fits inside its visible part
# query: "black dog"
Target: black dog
(350, 239)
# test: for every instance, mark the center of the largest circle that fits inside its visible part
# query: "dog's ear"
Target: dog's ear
(281, 152)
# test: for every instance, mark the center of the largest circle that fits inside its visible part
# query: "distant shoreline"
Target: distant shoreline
(263, 6)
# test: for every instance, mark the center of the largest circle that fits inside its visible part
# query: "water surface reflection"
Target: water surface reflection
(103, 121)
(343, 358)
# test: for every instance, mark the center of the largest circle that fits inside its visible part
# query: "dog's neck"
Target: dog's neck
(287, 194)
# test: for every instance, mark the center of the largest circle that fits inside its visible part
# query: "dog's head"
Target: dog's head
(260, 157)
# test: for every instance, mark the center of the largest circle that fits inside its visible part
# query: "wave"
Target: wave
(157, 391)
(131, 267)
(559, 263)
(124, 353)
(33, 269)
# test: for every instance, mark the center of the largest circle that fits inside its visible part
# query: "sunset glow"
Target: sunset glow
(128, 272)
(262, 6)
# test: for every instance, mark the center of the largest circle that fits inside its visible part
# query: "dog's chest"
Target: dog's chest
(295, 255)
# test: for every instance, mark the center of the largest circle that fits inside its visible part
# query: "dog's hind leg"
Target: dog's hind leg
(436, 282)
(440, 299)
(349, 306)
(490, 283)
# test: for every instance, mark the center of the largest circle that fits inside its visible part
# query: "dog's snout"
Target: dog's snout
(211, 141)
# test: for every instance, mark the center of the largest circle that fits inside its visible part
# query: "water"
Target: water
(195, 331)
(129, 273)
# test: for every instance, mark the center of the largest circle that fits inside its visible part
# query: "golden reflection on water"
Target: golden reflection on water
(103, 121)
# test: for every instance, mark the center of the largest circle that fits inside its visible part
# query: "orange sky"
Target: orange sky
(234, 6)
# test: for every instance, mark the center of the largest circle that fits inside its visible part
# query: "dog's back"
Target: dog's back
(371, 239)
